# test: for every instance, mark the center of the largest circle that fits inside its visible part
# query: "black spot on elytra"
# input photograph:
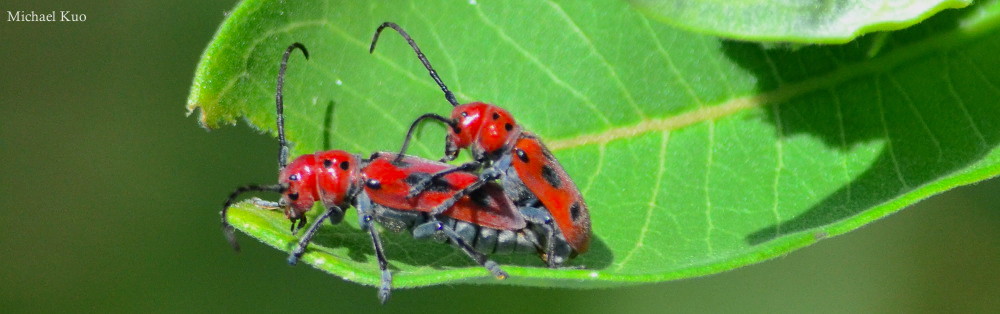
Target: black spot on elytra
(373, 184)
(436, 186)
(496, 116)
(574, 211)
(550, 176)
(508, 126)
(344, 165)
(481, 198)
(327, 163)
(415, 178)
(521, 155)
(440, 186)
(293, 196)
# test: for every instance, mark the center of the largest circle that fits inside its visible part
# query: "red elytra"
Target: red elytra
(496, 141)
(485, 220)
(554, 189)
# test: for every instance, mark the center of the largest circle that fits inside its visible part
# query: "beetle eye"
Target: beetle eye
(294, 177)
(465, 114)
(373, 184)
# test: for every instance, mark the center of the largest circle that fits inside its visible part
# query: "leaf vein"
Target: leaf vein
(257, 41)
(597, 171)
(961, 103)
(437, 39)
(593, 50)
(367, 101)
(780, 165)
(843, 142)
(670, 63)
(773, 67)
(979, 73)
(888, 137)
(363, 44)
(920, 117)
(782, 93)
(652, 203)
(708, 199)
(545, 69)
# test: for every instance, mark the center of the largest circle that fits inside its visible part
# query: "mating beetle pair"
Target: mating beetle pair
(536, 208)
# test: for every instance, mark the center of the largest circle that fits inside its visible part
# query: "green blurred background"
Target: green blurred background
(111, 195)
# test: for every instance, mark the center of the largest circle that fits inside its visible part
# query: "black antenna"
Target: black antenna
(413, 127)
(227, 229)
(279, 101)
(420, 55)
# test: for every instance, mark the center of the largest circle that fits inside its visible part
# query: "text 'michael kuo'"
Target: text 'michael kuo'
(51, 16)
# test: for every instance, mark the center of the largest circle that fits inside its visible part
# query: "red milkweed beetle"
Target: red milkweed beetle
(483, 220)
(530, 174)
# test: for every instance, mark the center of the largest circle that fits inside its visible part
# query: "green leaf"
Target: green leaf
(797, 21)
(696, 155)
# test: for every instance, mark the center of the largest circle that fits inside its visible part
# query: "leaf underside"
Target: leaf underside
(696, 155)
(796, 21)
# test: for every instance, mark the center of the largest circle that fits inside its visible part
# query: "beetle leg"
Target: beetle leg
(300, 249)
(422, 185)
(542, 217)
(477, 256)
(486, 176)
(366, 216)
(383, 265)
(265, 204)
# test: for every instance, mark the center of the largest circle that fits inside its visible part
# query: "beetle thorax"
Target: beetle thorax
(483, 127)
(338, 177)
